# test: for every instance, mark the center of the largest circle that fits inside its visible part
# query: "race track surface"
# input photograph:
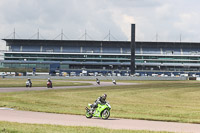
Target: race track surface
(11, 115)
(112, 123)
(15, 89)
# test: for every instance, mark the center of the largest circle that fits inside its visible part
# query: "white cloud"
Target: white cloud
(188, 21)
(168, 18)
(164, 11)
(188, 25)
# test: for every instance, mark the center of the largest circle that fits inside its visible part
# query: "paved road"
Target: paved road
(76, 120)
(15, 89)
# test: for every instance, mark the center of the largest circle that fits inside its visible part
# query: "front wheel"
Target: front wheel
(88, 115)
(105, 114)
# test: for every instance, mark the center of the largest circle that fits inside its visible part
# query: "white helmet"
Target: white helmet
(104, 96)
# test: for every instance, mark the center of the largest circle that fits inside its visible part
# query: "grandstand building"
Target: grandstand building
(102, 56)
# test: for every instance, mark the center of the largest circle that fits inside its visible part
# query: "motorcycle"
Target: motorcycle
(102, 111)
(28, 84)
(98, 82)
(49, 84)
(114, 82)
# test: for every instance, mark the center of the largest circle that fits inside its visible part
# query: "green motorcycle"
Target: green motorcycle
(102, 111)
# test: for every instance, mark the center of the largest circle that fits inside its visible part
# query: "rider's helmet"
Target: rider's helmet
(104, 96)
(29, 79)
(48, 79)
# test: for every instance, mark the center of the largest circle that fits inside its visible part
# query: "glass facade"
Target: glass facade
(109, 55)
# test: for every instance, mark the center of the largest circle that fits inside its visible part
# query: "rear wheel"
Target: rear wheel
(105, 114)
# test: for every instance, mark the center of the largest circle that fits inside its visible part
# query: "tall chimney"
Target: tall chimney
(132, 49)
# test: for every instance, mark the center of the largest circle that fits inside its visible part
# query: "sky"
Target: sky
(161, 20)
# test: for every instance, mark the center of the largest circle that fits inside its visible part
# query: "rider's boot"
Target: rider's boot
(91, 111)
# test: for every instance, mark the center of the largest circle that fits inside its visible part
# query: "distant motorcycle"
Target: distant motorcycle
(98, 82)
(102, 111)
(28, 84)
(49, 84)
(114, 82)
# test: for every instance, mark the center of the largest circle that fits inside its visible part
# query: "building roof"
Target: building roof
(65, 42)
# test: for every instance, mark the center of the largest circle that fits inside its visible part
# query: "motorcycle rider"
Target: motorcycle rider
(114, 82)
(98, 81)
(100, 100)
(49, 80)
(29, 80)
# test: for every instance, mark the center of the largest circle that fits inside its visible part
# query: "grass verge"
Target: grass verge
(152, 100)
(11, 127)
(37, 83)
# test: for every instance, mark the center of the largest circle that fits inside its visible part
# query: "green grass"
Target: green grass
(22, 70)
(37, 83)
(8, 127)
(177, 101)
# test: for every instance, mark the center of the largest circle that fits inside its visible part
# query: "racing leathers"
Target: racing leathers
(100, 100)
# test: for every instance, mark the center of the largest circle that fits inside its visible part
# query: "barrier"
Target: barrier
(104, 77)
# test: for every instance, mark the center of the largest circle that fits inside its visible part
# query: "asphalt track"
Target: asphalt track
(16, 89)
(11, 115)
